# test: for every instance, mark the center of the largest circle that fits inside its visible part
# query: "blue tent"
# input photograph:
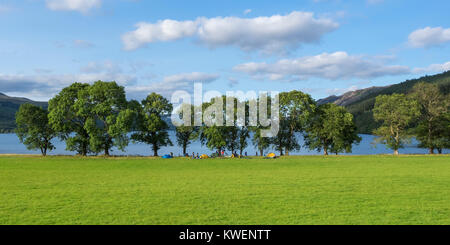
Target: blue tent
(167, 156)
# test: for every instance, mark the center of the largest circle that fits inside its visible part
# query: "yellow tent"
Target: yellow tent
(204, 156)
(271, 155)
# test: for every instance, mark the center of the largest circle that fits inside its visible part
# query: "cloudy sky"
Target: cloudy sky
(321, 47)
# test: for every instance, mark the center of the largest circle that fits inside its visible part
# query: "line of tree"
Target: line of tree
(94, 118)
(423, 114)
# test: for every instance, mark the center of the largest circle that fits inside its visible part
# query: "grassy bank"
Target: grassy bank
(291, 190)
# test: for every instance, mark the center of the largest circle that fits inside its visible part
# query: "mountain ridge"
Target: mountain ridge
(361, 102)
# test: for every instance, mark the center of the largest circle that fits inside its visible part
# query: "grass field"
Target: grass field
(292, 190)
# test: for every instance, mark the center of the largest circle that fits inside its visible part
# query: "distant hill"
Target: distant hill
(361, 102)
(351, 96)
(8, 107)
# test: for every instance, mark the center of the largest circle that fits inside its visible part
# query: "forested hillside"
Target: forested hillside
(361, 102)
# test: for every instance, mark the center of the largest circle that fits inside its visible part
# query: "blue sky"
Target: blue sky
(321, 47)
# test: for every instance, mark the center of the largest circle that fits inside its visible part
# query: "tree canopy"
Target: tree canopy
(433, 106)
(396, 112)
(33, 128)
(108, 120)
(151, 128)
(69, 120)
(332, 130)
(296, 111)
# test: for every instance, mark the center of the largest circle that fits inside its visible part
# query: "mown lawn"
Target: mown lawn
(292, 190)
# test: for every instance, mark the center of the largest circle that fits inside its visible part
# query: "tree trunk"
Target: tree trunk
(184, 149)
(107, 145)
(84, 148)
(325, 151)
(155, 150)
(43, 151)
(439, 150)
(431, 150)
(286, 151)
(261, 152)
(397, 142)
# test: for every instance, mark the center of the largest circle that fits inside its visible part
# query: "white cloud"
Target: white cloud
(190, 78)
(44, 84)
(429, 36)
(338, 65)
(434, 68)
(247, 11)
(277, 33)
(82, 6)
(170, 84)
(341, 90)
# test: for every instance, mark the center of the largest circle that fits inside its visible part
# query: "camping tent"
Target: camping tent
(271, 155)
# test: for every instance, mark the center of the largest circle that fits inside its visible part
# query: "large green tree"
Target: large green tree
(442, 133)
(332, 130)
(214, 136)
(185, 135)
(33, 128)
(186, 132)
(261, 143)
(296, 111)
(151, 128)
(232, 136)
(243, 135)
(109, 118)
(68, 119)
(285, 141)
(433, 106)
(396, 112)
(237, 132)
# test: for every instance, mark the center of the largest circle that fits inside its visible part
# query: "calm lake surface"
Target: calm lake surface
(10, 144)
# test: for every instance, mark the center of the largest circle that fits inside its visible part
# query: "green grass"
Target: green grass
(294, 190)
